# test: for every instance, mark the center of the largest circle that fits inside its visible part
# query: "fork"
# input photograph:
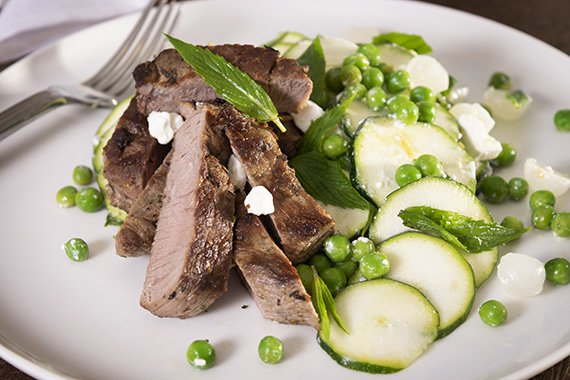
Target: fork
(111, 83)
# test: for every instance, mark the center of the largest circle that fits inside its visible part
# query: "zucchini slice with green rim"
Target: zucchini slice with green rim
(395, 55)
(350, 221)
(390, 325)
(447, 122)
(355, 115)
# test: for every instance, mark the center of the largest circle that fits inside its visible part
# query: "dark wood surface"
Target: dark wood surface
(548, 20)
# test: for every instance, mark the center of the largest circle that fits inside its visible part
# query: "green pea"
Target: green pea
(558, 271)
(494, 189)
(429, 166)
(356, 88)
(306, 274)
(89, 199)
(201, 354)
(357, 59)
(500, 81)
(334, 146)
(65, 196)
(398, 81)
(82, 175)
(376, 98)
(407, 173)
(542, 197)
(506, 157)
(372, 77)
(542, 217)
(512, 222)
(422, 94)
(361, 247)
(76, 249)
(562, 120)
(270, 350)
(560, 224)
(518, 188)
(405, 110)
(374, 265)
(371, 52)
(337, 248)
(350, 74)
(320, 262)
(493, 313)
(348, 267)
(385, 68)
(335, 279)
(427, 111)
(333, 81)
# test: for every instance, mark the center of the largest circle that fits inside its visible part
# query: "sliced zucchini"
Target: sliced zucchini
(356, 113)
(447, 122)
(437, 193)
(349, 221)
(383, 144)
(436, 269)
(285, 41)
(390, 325)
(297, 50)
(395, 55)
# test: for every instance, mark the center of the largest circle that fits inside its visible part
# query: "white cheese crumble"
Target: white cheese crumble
(306, 115)
(236, 172)
(521, 275)
(162, 125)
(504, 107)
(259, 201)
(545, 178)
(426, 71)
(479, 144)
(475, 110)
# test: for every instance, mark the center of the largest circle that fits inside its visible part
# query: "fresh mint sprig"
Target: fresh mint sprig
(232, 84)
(408, 41)
(324, 304)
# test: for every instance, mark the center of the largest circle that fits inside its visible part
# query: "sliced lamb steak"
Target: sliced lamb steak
(299, 222)
(163, 83)
(130, 158)
(135, 236)
(191, 255)
(268, 274)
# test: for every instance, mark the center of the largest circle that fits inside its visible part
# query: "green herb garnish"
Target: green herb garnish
(314, 58)
(408, 41)
(323, 126)
(466, 233)
(229, 82)
(324, 304)
(324, 180)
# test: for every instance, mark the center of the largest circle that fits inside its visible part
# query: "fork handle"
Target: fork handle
(20, 114)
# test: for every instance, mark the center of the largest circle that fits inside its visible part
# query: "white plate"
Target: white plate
(61, 319)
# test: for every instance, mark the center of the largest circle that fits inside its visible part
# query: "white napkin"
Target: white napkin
(26, 25)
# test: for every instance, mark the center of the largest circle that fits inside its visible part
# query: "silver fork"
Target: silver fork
(111, 83)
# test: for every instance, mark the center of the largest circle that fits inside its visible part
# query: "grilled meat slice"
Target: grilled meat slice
(268, 274)
(135, 236)
(130, 158)
(163, 83)
(300, 223)
(191, 255)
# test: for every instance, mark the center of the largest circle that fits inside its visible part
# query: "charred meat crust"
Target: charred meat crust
(191, 256)
(268, 274)
(299, 222)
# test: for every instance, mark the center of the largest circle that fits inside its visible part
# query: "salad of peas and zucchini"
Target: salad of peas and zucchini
(405, 166)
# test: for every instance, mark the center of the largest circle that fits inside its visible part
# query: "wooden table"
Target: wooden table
(548, 20)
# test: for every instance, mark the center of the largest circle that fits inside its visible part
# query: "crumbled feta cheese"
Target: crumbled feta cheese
(162, 125)
(306, 115)
(521, 275)
(259, 201)
(479, 144)
(426, 71)
(504, 107)
(236, 172)
(475, 110)
(545, 178)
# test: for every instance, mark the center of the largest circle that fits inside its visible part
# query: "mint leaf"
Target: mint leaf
(324, 304)
(408, 41)
(314, 58)
(324, 180)
(230, 83)
(323, 126)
